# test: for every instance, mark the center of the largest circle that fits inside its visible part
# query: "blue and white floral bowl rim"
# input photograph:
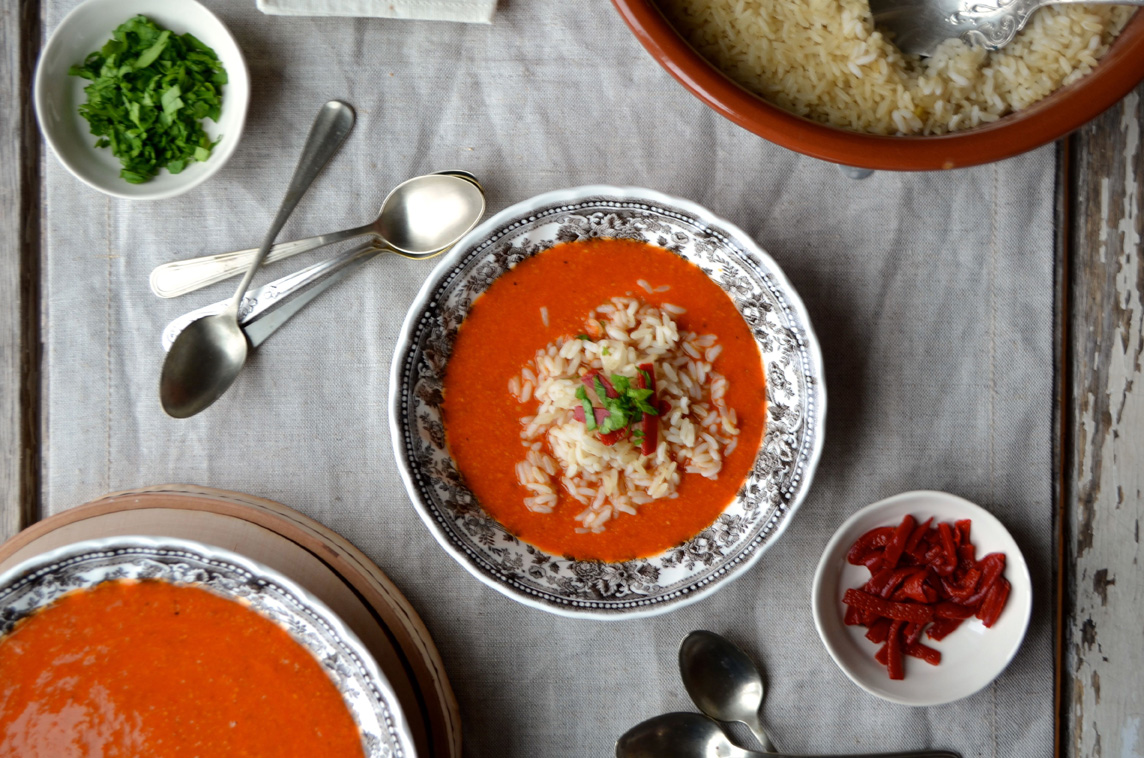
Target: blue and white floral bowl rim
(432, 305)
(36, 582)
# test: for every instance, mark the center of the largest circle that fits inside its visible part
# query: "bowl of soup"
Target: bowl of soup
(607, 402)
(153, 646)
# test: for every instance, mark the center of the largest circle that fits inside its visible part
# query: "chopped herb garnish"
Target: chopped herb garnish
(624, 406)
(606, 351)
(583, 337)
(149, 91)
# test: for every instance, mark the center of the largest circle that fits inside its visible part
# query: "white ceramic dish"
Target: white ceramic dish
(972, 656)
(58, 96)
(784, 466)
(368, 694)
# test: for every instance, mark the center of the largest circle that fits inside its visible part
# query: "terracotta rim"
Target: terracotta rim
(1050, 119)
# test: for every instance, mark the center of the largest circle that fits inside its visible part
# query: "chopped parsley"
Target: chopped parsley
(149, 91)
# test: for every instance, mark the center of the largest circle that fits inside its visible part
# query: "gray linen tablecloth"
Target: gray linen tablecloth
(931, 294)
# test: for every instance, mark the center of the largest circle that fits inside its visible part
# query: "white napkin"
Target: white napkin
(469, 11)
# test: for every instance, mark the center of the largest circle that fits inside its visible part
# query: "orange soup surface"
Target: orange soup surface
(130, 669)
(504, 330)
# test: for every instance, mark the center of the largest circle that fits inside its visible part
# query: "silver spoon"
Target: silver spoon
(918, 27)
(208, 355)
(438, 209)
(180, 277)
(693, 735)
(723, 682)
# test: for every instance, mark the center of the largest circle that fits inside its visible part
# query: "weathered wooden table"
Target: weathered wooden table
(1099, 420)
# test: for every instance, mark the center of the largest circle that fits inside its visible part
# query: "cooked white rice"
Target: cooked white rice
(823, 59)
(695, 434)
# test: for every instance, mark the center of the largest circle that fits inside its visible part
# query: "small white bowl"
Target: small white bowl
(58, 96)
(972, 656)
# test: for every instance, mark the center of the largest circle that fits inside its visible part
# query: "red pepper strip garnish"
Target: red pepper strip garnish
(649, 424)
(894, 651)
(869, 542)
(942, 627)
(898, 542)
(913, 632)
(918, 533)
(963, 591)
(991, 567)
(612, 438)
(878, 631)
(915, 588)
(950, 550)
(966, 554)
(897, 576)
(599, 413)
(898, 611)
(948, 610)
(664, 407)
(963, 530)
(926, 653)
(589, 381)
(873, 561)
(853, 617)
(877, 581)
(994, 603)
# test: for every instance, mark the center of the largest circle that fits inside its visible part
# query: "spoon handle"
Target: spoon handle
(278, 295)
(321, 277)
(330, 129)
(180, 277)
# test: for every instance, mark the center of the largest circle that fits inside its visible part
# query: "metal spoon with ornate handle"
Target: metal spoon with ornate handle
(693, 735)
(920, 26)
(180, 277)
(427, 216)
(208, 355)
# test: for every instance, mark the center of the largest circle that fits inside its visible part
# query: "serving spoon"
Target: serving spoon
(918, 27)
(180, 277)
(723, 682)
(426, 215)
(693, 735)
(208, 355)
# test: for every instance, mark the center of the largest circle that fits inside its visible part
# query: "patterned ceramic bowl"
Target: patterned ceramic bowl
(37, 582)
(777, 483)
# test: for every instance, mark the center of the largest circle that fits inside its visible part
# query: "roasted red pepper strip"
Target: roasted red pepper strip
(962, 592)
(612, 438)
(894, 651)
(913, 632)
(880, 656)
(897, 576)
(589, 381)
(926, 653)
(948, 610)
(649, 424)
(878, 631)
(898, 542)
(963, 529)
(868, 543)
(942, 627)
(919, 532)
(994, 603)
(949, 549)
(599, 413)
(853, 617)
(914, 588)
(919, 614)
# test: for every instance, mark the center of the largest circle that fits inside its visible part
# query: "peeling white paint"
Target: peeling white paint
(1106, 717)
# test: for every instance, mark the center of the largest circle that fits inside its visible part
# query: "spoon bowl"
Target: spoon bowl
(723, 681)
(202, 364)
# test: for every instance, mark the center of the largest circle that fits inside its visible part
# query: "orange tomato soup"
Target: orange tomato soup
(154, 669)
(503, 331)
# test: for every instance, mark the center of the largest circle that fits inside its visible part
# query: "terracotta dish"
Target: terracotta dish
(1049, 119)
